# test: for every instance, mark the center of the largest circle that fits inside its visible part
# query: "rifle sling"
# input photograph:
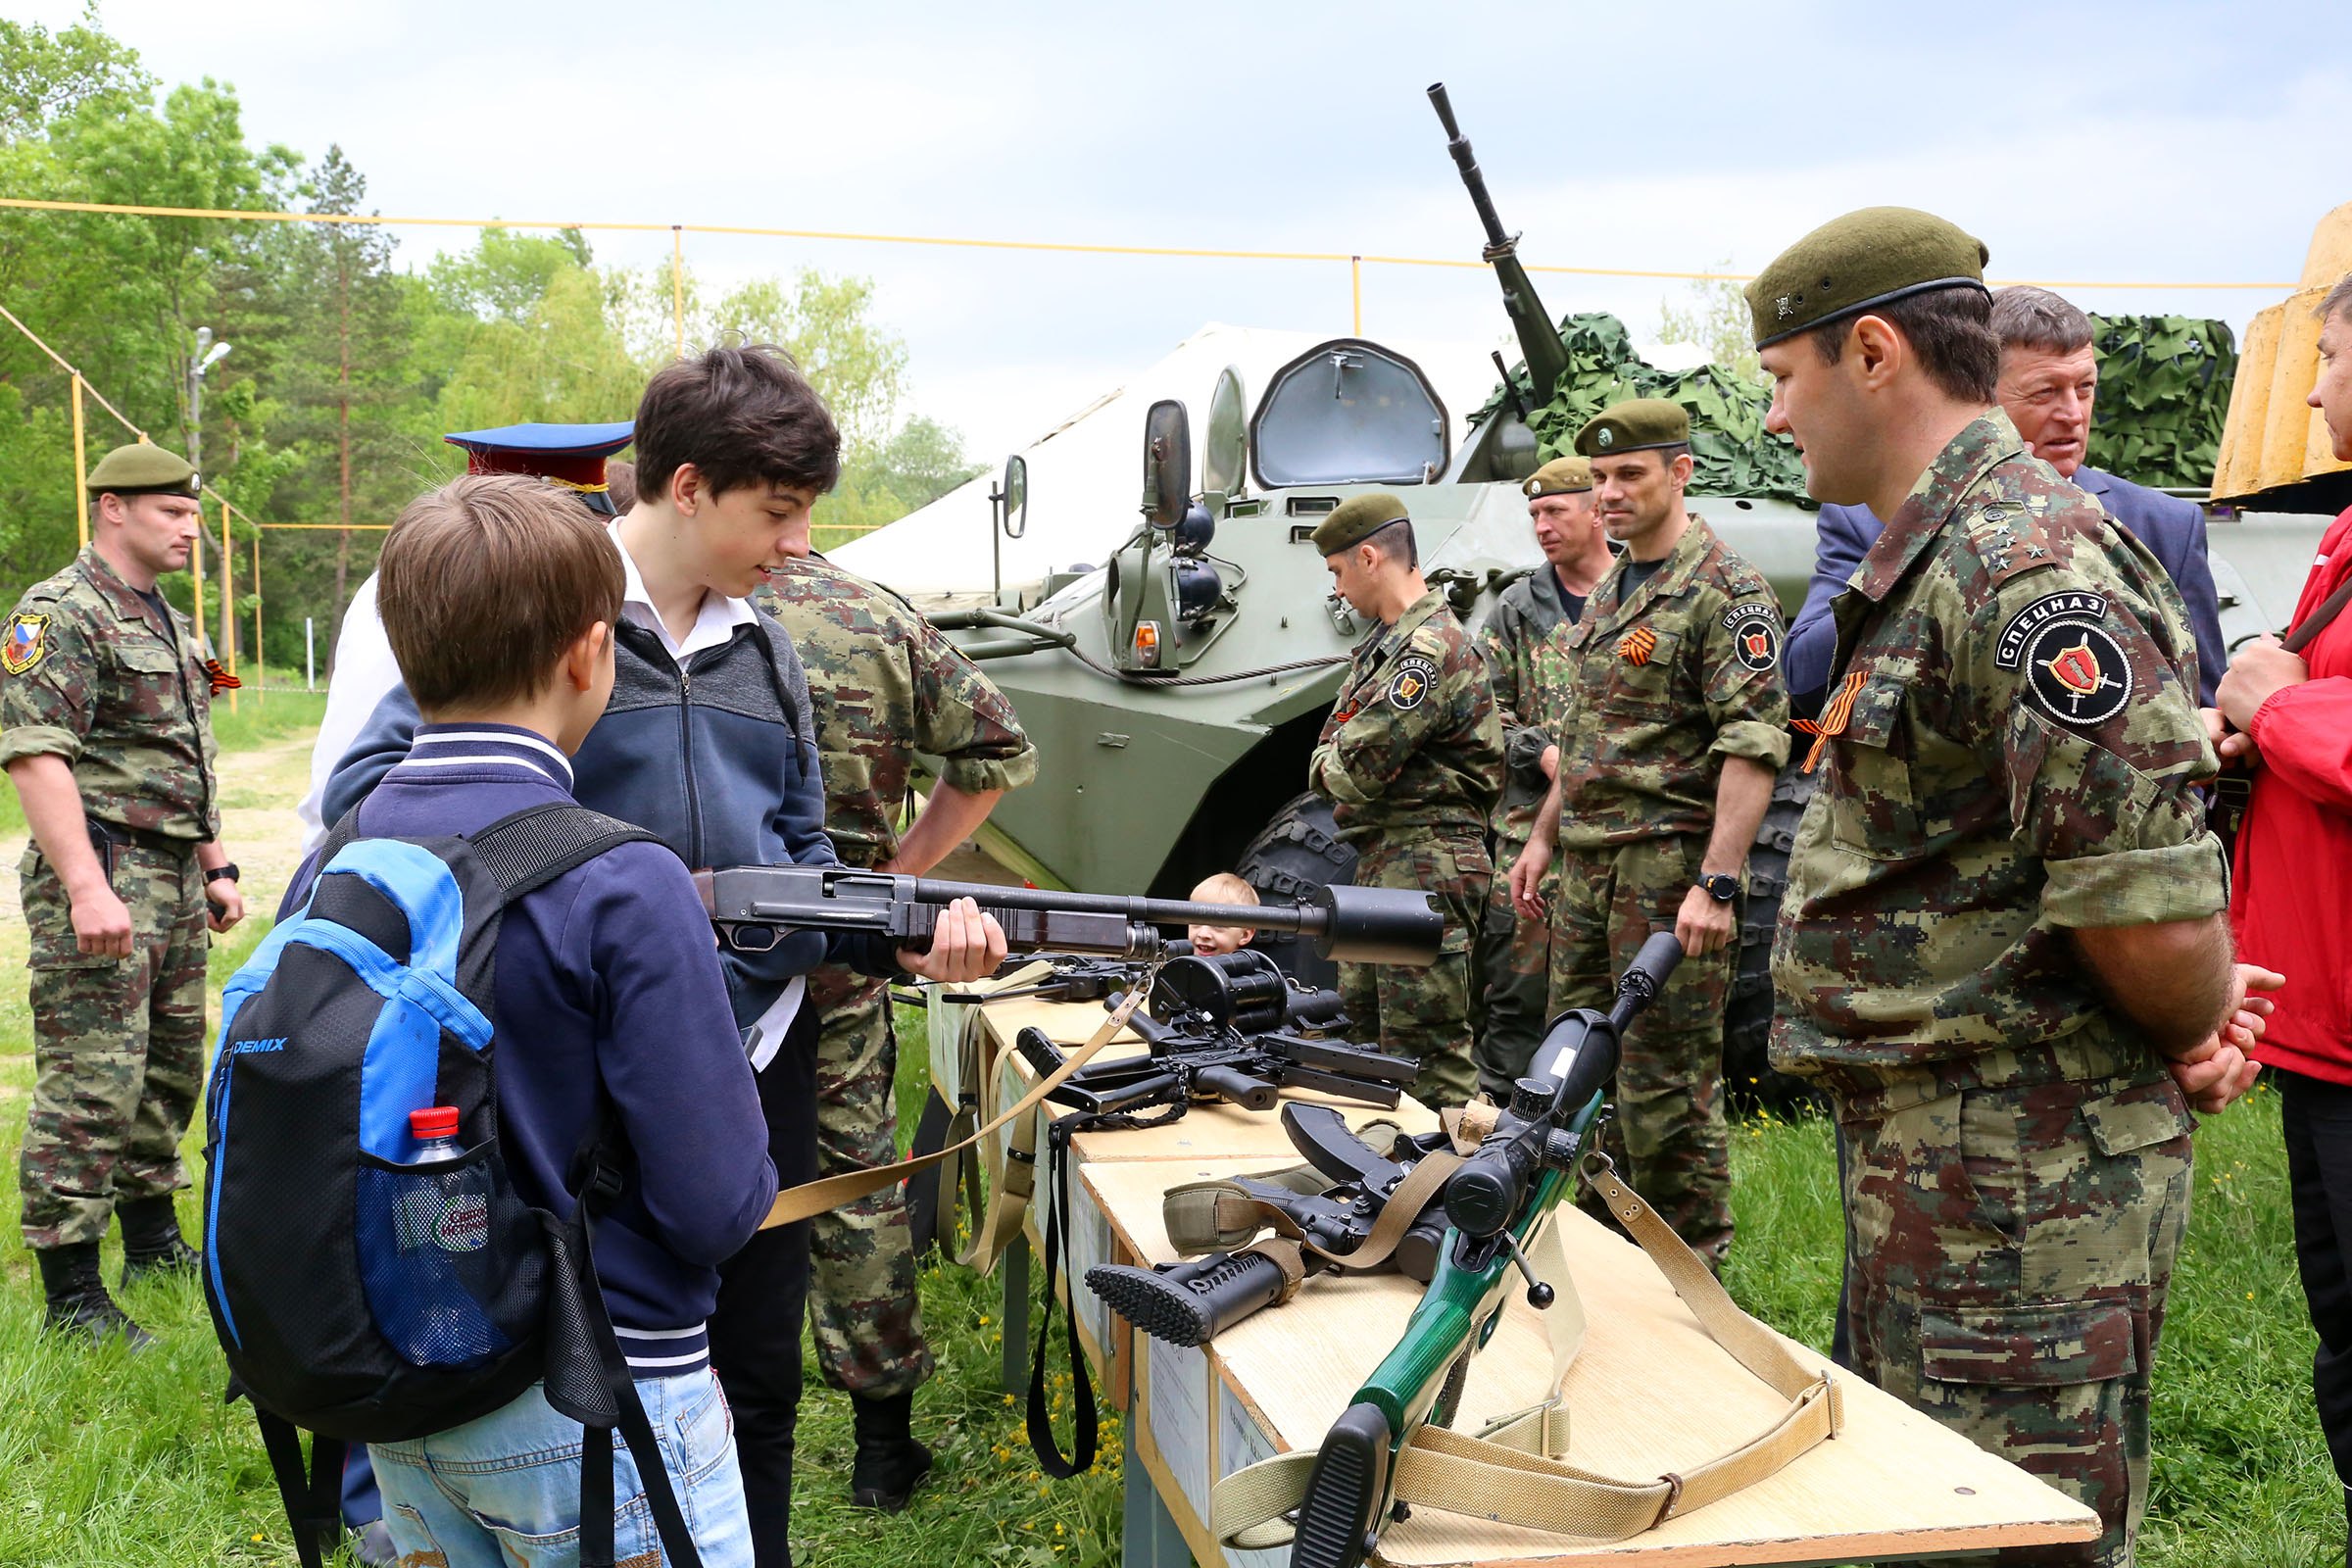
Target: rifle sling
(847, 1187)
(1513, 1471)
(2300, 637)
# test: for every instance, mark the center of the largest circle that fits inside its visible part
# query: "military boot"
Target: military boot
(889, 1463)
(151, 1239)
(77, 1299)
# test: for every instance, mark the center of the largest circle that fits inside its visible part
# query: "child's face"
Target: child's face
(1219, 938)
(749, 531)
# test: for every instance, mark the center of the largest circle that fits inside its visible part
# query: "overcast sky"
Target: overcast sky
(2138, 141)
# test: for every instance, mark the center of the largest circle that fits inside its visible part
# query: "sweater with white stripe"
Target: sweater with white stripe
(608, 996)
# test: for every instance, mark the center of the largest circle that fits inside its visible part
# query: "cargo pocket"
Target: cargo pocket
(1872, 810)
(2038, 1347)
(2136, 1118)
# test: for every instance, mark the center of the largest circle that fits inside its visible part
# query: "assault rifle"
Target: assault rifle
(1493, 1206)
(753, 905)
(1076, 977)
(1226, 1026)
(1188, 1303)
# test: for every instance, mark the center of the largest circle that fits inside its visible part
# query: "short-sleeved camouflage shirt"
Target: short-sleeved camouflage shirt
(886, 687)
(2013, 740)
(88, 674)
(1648, 692)
(1412, 741)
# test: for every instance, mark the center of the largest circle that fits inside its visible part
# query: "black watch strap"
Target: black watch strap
(218, 871)
(1722, 887)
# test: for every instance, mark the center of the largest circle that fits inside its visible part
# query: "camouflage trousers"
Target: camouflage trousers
(1428, 1015)
(2008, 1252)
(1668, 1137)
(862, 1304)
(118, 1047)
(1515, 957)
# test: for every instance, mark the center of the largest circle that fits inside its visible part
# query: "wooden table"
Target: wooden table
(1649, 1392)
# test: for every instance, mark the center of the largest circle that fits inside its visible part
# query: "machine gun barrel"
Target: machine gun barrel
(1539, 339)
(753, 905)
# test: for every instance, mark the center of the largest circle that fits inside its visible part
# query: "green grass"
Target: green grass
(118, 1460)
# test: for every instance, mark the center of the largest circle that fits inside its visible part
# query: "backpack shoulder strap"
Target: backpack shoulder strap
(526, 850)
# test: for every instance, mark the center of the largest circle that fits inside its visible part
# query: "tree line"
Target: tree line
(344, 370)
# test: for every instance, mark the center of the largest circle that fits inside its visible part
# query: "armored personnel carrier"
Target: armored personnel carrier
(1176, 692)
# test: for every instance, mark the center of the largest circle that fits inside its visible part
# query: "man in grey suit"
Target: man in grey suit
(2049, 378)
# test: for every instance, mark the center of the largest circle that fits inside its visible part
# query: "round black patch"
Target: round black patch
(1756, 641)
(2078, 672)
(1411, 685)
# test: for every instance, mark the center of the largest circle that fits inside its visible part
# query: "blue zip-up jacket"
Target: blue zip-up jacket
(608, 993)
(720, 760)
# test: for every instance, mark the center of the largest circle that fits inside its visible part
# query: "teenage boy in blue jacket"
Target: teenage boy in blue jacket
(709, 742)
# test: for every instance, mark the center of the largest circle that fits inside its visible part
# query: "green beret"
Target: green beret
(1356, 519)
(143, 470)
(1559, 477)
(1873, 256)
(1634, 425)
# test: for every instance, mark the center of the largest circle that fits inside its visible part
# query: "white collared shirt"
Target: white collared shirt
(714, 624)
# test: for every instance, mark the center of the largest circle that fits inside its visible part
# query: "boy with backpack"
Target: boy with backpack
(709, 742)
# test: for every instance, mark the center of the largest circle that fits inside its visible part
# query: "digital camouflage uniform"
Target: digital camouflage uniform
(885, 686)
(2011, 741)
(1653, 692)
(1410, 760)
(88, 674)
(1514, 955)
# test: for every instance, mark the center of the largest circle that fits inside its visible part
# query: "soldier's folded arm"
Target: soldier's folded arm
(2097, 741)
(1365, 753)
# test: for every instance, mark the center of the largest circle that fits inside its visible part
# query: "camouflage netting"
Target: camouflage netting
(1730, 449)
(2164, 391)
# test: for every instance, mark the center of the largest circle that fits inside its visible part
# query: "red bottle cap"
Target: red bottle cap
(435, 1121)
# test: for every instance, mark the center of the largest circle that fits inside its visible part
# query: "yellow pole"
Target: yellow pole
(1355, 286)
(228, 606)
(196, 565)
(261, 669)
(677, 283)
(82, 471)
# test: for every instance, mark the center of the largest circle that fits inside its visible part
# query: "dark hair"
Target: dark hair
(2027, 318)
(1950, 330)
(1394, 542)
(2338, 300)
(485, 582)
(620, 481)
(741, 417)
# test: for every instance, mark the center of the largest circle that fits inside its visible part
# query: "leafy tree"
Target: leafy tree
(1714, 316)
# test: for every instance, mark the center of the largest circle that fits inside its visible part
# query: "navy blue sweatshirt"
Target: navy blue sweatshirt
(608, 993)
(720, 760)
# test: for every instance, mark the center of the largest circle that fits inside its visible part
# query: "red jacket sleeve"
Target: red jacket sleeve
(2305, 736)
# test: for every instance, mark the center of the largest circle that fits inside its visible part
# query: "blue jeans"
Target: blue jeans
(503, 1492)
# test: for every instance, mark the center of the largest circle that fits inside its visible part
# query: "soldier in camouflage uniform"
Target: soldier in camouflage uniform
(106, 731)
(1410, 759)
(2003, 906)
(1672, 721)
(1515, 955)
(885, 686)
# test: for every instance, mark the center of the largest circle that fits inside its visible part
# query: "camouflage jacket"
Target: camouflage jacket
(887, 687)
(1523, 620)
(1649, 693)
(2011, 749)
(88, 674)
(1412, 741)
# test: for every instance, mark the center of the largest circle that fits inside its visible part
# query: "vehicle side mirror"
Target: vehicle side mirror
(1167, 464)
(1013, 498)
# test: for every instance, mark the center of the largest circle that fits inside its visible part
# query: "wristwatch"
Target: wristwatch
(218, 871)
(1721, 887)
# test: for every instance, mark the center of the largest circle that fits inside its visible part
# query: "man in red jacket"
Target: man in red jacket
(2291, 906)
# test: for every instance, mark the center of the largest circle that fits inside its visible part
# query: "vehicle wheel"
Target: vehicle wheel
(1298, 851)
(1747, 1070)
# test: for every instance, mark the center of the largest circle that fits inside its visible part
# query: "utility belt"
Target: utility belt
(2095, 1051)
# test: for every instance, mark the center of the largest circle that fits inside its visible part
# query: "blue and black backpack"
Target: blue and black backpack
(360, 1293)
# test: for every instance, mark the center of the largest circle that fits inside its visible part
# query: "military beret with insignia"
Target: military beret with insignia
(1634, 425)
(1561, 477)
(1868, 258)
(143, 470)
(1356, 519)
